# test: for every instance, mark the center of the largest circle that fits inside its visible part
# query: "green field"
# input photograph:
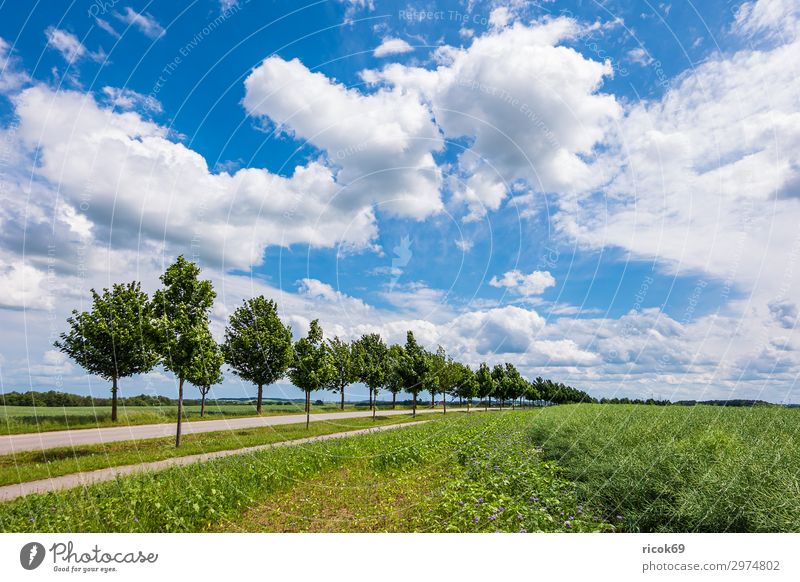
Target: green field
(23, 419)
(675, 468)
(574, 468)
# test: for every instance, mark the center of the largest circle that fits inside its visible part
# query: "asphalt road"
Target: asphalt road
(89, 436)
(9, 492)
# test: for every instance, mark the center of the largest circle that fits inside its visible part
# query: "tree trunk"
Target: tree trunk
(375, 405)
(180, 413)
(260, 398)
(394, 400)
(114, 390)
(433, 399)
(414, 406)
(342, 391)
(308, 408)
(203, 403)
(444, 402)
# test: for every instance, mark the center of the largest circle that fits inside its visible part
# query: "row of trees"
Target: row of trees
(127, 333)
(54, 398)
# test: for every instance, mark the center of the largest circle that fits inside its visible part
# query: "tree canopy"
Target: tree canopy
(257, 345)
(114, 339)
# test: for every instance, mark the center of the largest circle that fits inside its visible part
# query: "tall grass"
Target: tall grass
(702, 468)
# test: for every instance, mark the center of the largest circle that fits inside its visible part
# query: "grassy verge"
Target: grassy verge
(662, 469)
(28, 419)
(432, 474)
(33, 465)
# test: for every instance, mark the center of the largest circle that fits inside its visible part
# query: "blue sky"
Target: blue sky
(602, 193)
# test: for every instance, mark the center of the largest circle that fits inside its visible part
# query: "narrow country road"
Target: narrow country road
(9, 492)
(88, 436)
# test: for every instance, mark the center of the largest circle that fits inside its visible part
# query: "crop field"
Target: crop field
(23, 419)
(574, 468)
(675, 468)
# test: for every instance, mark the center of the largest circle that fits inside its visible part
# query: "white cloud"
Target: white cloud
(382, 142)
(500, 330)
(145, 22)
(105, 25)
(519, 283)
(131, 177)
(464, 245)
(11, 75)
(392, 46)
(530, 108)
(22, 286)
(640, 56)
(129, 100)
(70, 47)
(775, 19)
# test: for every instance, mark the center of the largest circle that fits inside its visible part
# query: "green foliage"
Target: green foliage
(485, 380)
(114, 340)
(503, 484)
(53, 398)
(465, 382)
(311, 368)
(369, 353)
(395, 360)
(257, 345)
(343, 361)
(181, 315)
(414, 367)
(206, 367)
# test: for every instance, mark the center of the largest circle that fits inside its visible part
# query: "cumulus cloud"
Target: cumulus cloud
(527, 104)
(383, 143)
(519, 283)
(392, 46)
(134, 181)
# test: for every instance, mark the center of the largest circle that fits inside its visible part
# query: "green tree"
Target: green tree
(114, 339)
(206, 368)
(395, 360)
(486, 383)
(466, 383)
(344, 366)
(415, 367)
(444, 375)
(500, 384)
(513, 383)
(257, 345)
(181, 309)
(370, 355)
(311, 367)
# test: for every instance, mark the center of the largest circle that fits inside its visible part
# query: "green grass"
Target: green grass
(26, 419)
(423, 473)
(680, 469)
(33, 465)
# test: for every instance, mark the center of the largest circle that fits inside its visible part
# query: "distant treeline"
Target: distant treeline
(53, 398)
(654, 402)
(734, 402)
